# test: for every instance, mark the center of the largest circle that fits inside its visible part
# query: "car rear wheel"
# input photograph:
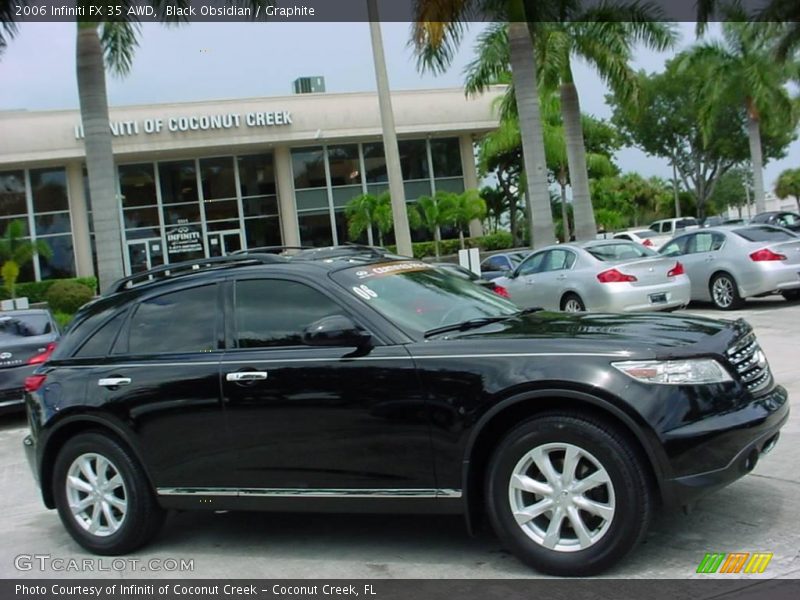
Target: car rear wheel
(791, 295)
(725, 292)
(103, 496)
(572, 303)
(568, 495)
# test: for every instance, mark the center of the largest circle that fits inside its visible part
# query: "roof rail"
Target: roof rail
(190, 266)
(270, 249)
(342, 251)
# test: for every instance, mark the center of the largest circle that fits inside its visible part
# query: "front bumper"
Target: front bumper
(716, 451)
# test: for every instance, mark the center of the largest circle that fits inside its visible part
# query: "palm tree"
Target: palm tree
(608, 46)
(15, 252)
(433, 212)
(402, 231)
(437, 33)
(741, 69)
(467, 207)
(360, 213)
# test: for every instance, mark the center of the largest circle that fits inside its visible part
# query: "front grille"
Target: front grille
(750, 363)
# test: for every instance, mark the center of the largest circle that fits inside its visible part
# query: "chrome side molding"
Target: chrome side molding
(311, 493)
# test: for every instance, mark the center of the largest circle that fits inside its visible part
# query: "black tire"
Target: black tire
(730, 301)
(791, 295)
(143, 516)
(575, 299)
(632, 497)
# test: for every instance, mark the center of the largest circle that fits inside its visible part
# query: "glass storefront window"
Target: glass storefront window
(315, 228)
(345, 166)
(308, 166)
(12, 193)
(446, 156)
(218, 179)
(343, 195)
(137, 184)
(217, 211)
(311, 199)
(62, 263)
(52, 223)
(374, 163)
(413, 159)
(258, 207)
(141, 217)
(262, 232)
(49, 188)
(178, 181)
(257, 175)
(181, 213)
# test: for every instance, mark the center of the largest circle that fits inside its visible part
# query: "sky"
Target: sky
(206, 61)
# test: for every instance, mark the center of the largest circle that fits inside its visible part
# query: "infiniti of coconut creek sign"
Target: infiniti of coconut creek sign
(195, 123)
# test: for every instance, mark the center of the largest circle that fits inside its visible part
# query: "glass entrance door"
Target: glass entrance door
(144, 255)
(222, 243)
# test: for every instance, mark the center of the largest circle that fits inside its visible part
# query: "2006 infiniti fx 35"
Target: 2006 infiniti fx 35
(346, 379)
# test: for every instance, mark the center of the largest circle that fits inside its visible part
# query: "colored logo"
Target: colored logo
(735, 562)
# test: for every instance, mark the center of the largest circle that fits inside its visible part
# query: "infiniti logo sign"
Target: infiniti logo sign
(5, 355)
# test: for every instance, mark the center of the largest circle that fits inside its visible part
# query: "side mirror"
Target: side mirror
(336, 330)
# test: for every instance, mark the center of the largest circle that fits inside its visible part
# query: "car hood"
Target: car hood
(645, 333)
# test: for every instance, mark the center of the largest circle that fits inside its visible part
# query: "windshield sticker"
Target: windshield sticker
(365, 292)
(391, 268)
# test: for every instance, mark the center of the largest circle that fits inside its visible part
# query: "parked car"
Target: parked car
(604, 275)
(361, 383)
(498, 265)
(465, 273)
(27, 338)
(727, 265)
(672, 227)
(645, 237)
(783, 218)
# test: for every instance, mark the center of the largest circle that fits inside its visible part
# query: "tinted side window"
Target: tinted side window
(765, 234)
(496, 263)
(273, 312)
(675, 247)
(99, 343)
(533, 264)
(182, 321)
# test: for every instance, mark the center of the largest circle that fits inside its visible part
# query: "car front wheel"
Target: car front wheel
(103, 497)
(568, 495)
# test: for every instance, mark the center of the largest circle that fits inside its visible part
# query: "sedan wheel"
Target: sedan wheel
(568, 494)
(572, 303)
(725, 293)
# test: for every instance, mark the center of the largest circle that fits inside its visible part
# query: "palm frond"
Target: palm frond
(119, 40)
(437, 31)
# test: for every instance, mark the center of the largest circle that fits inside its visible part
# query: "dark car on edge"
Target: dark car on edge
(781, 218)
(354, 381)
(27, 338)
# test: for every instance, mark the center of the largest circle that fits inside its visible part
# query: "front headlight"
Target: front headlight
(675, 372)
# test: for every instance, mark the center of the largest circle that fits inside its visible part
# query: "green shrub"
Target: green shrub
(68, 296)
(496, 241)
(62, 319)
(36, 291)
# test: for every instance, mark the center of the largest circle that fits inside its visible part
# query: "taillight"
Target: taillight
(34, 382)
(40, 358)
(647, 243)
(501, 291)
(676, 270)
(766, 254)
(614, 276)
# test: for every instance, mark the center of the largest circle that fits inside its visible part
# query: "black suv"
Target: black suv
(350, 380)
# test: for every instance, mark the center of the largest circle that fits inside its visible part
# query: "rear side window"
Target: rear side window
(496, 263)
(675, 247)
(765, 234)
(25, 325)
(182, 321)
(99, 343)
(273, 312)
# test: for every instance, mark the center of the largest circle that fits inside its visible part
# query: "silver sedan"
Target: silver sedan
(728, 264)
(602, 275)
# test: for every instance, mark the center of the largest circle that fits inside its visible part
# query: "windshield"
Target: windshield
(418, 297)
(24, 325)
(765, 234)
(621, 251)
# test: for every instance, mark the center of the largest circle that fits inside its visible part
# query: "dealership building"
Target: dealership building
(202, 179)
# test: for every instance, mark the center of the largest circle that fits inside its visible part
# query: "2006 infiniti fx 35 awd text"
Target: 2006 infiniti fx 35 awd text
(347, 379)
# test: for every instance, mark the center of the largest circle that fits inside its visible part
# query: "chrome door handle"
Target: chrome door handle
(113, 381)
(562, 277)
(246, 376)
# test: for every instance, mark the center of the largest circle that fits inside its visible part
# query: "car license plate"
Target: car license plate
(658, 298)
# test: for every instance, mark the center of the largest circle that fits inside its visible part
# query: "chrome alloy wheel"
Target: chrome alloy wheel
(573, 305)
(562, 497)
(96, 494)
(722, 291)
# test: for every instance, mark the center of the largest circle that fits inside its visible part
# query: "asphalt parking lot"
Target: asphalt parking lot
(758, 513)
